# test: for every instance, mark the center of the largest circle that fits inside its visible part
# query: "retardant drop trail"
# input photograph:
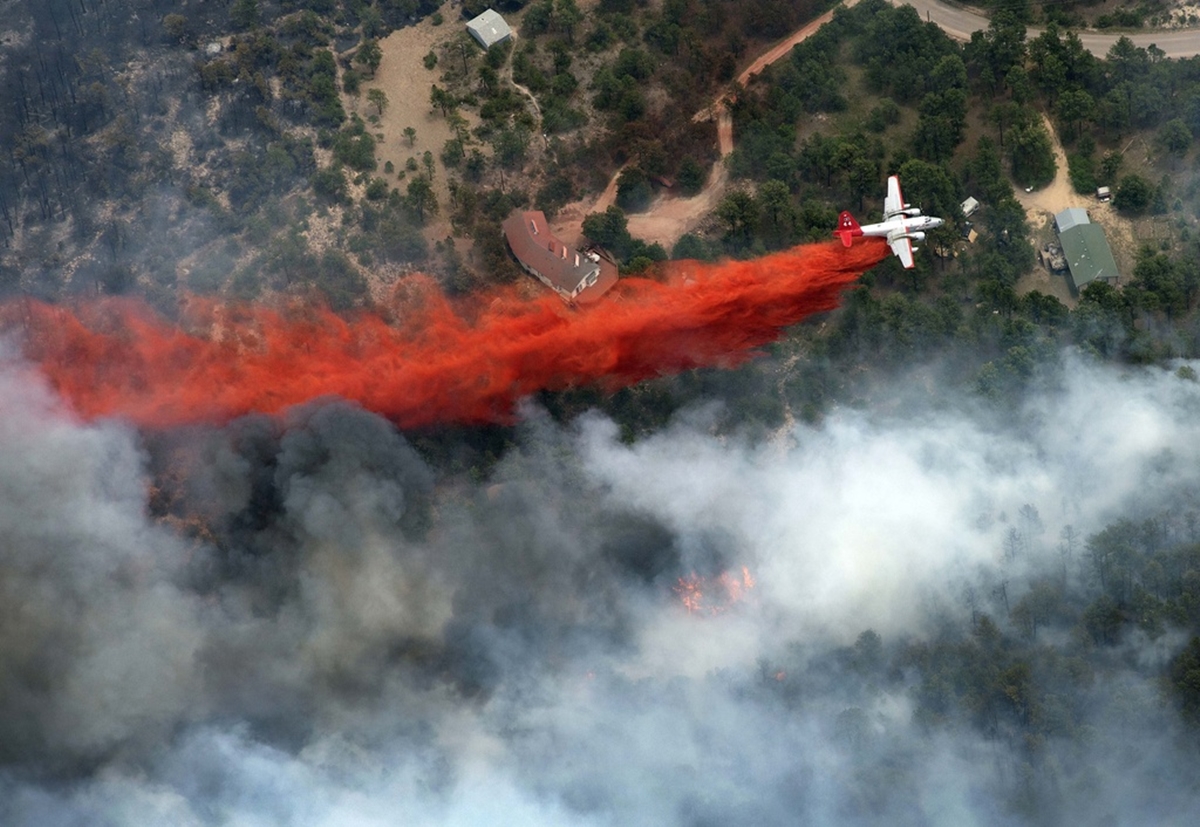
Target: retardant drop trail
(433, 362)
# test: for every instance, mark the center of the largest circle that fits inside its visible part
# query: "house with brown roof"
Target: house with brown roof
(577, 277)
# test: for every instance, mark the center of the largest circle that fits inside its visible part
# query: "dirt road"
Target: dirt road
(1040, 208)
(669, 216)
(567, 225)
(1042, 204)
(784, 46)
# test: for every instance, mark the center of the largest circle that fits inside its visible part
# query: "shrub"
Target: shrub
(377, 190)
(355, 148)
(1082, 169)
(1134, 194)
(330, 184)
(633, 190)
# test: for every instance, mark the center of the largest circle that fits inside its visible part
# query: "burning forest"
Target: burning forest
(231, 589)
(675, 558)
(292, 619)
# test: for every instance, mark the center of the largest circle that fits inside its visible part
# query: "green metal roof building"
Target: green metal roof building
(1086, 250)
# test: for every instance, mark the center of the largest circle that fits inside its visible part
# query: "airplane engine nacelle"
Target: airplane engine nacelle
(918, 236)
(912, 211)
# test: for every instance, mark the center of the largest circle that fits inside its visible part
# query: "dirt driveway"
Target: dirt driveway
(669, 216)
(1057, 195)
(784, 46)
(1043, 204)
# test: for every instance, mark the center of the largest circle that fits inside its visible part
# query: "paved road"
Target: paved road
(959, 21)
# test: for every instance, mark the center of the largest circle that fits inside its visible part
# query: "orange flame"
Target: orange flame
(714, 595)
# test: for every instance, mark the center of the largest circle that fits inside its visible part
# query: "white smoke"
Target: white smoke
(868, 518)
(352, 645)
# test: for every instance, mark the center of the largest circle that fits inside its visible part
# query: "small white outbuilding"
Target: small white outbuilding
(489, 28)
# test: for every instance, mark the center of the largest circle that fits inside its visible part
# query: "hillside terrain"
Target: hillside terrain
(930, 556)
(328, 149)
(253, 147)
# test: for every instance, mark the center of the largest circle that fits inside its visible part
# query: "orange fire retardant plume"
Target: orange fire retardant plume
(424, 360)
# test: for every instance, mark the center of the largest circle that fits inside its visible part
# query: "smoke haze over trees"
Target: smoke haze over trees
(287, 619)
(932, 559)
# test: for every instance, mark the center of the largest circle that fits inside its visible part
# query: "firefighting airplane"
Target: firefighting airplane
(902, 224)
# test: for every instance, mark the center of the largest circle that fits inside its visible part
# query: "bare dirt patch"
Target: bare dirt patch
(404, 79)
(568, 223)
(1178, 15)
(1125, 236)
(669, 217)
(1183, 15)
(1051, 284)
(1057, 195)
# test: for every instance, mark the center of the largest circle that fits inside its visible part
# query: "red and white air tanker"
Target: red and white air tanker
(902, 225)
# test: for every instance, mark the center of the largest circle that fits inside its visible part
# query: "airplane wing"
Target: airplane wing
(902, 247)
(894, 202)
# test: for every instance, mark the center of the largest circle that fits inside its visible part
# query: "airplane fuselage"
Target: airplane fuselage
(902, 225)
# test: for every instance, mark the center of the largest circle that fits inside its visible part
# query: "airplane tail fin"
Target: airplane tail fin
(847, 228)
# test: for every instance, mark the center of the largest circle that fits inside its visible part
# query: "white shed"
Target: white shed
(489, 29)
